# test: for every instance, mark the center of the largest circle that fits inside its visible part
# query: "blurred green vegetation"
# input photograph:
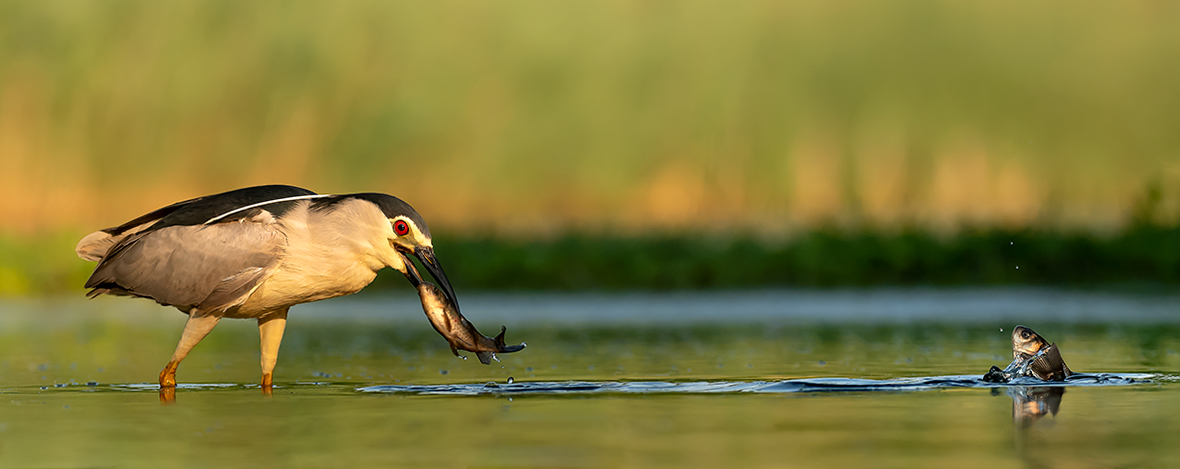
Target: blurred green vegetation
(41, 265)
(552, 117)
(1144, 257)
(617, 144)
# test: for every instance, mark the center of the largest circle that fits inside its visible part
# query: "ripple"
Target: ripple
(785, 386)
(804, 385)
(156, 387)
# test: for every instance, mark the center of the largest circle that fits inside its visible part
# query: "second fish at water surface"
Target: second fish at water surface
(460, 334)
(1032, 356)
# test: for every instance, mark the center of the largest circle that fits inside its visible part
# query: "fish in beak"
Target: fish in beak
(459, 333)
(426, 255)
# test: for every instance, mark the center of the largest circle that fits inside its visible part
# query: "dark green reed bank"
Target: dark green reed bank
(1144, 255)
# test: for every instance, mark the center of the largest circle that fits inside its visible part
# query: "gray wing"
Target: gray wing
(203, 267)
(197, 211)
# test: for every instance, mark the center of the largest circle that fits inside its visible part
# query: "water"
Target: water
(924, 383)
(803, 379)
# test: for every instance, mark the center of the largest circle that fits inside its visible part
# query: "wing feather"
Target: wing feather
(95, 246)
(202, 267)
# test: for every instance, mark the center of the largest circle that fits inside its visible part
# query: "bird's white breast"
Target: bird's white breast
(328, 254)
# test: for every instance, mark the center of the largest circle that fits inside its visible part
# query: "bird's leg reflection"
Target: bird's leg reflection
(168, 395)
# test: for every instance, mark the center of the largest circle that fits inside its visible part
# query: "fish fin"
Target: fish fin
(1048, 365)
(453, 350)
(485, 357)
(503, 348)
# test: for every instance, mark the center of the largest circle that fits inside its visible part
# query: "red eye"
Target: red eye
(401, 228)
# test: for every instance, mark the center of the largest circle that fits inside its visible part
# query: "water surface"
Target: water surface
(886, 378)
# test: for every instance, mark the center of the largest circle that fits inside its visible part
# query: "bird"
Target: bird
(255, 252)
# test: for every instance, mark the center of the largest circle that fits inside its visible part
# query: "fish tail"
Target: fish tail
(503, 347)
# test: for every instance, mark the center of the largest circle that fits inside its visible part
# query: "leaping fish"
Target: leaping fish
(1033, 356)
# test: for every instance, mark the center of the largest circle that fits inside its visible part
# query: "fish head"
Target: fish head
(1026, 342)
(433, 297)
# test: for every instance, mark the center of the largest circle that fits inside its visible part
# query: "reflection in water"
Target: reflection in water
(1030, 404)
(167, 394)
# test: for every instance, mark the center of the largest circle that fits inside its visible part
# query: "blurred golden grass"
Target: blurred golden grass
(533, 118)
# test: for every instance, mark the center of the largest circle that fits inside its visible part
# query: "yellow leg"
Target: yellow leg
(270, 333)
(195, 329)
(168, 375)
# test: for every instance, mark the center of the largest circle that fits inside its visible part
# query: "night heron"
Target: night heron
(252, 254)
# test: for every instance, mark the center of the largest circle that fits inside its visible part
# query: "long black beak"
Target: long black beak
(411, 272)
(426, 255)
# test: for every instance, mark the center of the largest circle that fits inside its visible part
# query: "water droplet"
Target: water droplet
(511, 380)
(443, 372)
(1001, 329)
(1017, 267)
(463, 357)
